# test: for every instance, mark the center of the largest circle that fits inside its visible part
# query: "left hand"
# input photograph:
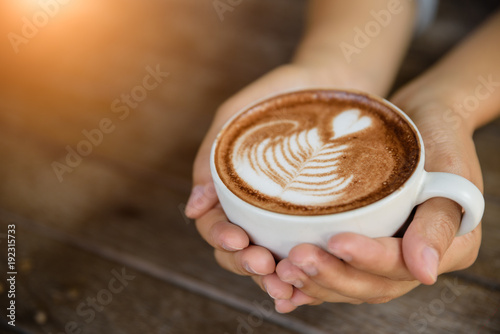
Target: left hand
(356, 269)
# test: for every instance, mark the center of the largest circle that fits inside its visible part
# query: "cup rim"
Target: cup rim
(414, 177)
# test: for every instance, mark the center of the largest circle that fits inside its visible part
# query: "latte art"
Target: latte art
(316, 152)
(300, 168)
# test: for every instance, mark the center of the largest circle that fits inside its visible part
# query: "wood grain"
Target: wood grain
(123, 205)
(56, 280)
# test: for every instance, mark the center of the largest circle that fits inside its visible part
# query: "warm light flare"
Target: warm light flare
(73, 48)
(21, 15)
(29, 7)
(47, 25)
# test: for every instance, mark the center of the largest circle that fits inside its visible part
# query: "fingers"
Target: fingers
(286, 297)
(462, 252)
(298, 298)
(253, 260)
(373, 270)
(202, 198)
(323, 276)
(429, 236)
(382, 256)
(231, 243)
(284, 306)
(312, 285)
(276, 288)
(219, 233)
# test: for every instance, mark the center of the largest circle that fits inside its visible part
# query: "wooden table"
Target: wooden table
(108, 249)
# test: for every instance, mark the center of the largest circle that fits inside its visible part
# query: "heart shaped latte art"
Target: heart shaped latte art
(303, 168)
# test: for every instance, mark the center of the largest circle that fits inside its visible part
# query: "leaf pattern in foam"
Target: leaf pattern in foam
(299, 168)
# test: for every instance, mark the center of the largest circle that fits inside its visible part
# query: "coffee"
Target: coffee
(316, 152)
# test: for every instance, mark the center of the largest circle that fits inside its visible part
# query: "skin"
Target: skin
(356, 269)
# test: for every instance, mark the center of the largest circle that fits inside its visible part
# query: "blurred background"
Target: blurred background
(63, 77)
(72, 69)
(64, 63)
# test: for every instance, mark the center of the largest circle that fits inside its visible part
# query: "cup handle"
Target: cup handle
(458, 189)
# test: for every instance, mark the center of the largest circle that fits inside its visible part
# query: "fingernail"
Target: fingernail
(341, 254)
(251, 270)
(308, 268)
(298, 284)
(270, 295)
(267, 291)
(295, 282)
(431, 260)
(231, 248)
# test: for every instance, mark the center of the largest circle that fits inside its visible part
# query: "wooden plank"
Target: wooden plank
(46, 102)
(60, 288)
(487, 267)
(125, 202)
(159, 236)
(487, 141)
(208, 61)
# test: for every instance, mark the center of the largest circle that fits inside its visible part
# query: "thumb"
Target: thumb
(429, 235)
(203, 196)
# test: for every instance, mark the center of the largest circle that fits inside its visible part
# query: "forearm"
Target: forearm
(362, 41)
(466, 83)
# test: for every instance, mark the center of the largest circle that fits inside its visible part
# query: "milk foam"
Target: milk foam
(301, 168)
(316, 152)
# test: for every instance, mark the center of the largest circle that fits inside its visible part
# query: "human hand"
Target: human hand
(318, 63)
(378, 270)
(232, 247)
(356, 269)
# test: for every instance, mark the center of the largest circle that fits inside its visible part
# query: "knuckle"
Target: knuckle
(455, 164)
(354, 290)
(473, 239)
(208, 218)
(387, 292)
(445, 156)
(218, 231)
(444, 228)
(308, 253)
(445, 225)
(320, 256)
(229, 262)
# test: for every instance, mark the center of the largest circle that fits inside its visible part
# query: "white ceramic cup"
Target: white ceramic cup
(280, 232)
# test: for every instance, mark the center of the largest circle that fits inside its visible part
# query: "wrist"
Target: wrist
(435, 101)
(337, 41)
(447, 135)
(328, 72)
